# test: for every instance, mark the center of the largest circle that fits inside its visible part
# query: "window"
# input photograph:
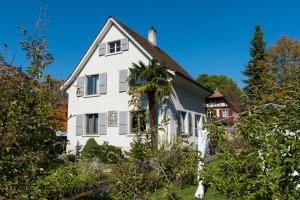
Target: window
(190, 125)
(197, 124)
(138, 121)
(114, 46)
(92, 124)
(225, 113)
(92, 84)
(182, 122)
(212, 113)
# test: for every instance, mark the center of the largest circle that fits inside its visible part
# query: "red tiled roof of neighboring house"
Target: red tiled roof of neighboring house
(216, 94)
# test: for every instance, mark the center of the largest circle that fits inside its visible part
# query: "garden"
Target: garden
(260, 160)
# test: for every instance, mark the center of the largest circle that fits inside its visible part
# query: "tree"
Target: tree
(259, 160)
(27, 137)
(152, 81)
(224, 84)
(254, 70)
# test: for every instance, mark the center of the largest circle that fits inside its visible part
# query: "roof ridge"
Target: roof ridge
(155, 51)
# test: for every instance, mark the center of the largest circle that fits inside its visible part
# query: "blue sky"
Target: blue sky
(204, 36)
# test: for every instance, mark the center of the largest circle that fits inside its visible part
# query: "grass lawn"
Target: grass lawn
(189, 192)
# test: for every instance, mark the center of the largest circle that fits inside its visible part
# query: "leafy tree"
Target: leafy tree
(255, 70)
(153, 82)
(224, 84)
(259, 160)
(27, 137)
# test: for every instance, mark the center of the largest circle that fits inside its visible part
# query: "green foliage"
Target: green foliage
(68, 180)
(259, 159)
(27, 136)
(224, 84)
(170, 167)
(105, 153)
(153, 82)
(256, 67)
(91, 149)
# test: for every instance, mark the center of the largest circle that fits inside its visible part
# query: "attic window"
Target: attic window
(114, 46)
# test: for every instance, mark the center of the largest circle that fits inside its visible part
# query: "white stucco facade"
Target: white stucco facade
(185, 95)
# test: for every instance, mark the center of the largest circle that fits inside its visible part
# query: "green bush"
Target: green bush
(105, 153)
(68, 180)
(166, 169)
(109, 154)
(91, 149)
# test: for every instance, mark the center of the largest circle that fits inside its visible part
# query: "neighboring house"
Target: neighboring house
(220, 108)
(98, 92)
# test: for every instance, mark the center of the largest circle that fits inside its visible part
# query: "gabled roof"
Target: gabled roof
(216, 94)
(156, 52)
(150, 50)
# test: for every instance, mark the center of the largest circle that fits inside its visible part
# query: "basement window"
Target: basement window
(114, 46)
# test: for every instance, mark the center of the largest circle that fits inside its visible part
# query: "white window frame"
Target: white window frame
(225, 113)
(87, 85)
(115, 47)
(86, 124)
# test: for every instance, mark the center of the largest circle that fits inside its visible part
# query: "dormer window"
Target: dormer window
(114, 46)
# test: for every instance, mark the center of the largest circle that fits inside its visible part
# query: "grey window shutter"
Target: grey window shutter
(123, 75)
(80, 86)
(102, 49)
(79, 125)
(124, 44)
(102, 124)
(123, 122)
(103, 83)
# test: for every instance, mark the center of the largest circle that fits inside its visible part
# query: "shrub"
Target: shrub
(109, 154)
(105, 153)
(90, 149)
(165, 169)
(68, 180)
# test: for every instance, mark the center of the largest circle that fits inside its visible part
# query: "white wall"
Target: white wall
(114, 100)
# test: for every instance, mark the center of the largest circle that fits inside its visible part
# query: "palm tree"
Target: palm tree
(152, 81)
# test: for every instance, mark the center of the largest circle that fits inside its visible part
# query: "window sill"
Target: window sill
(91, 135)
(91, 95)
(115, 53)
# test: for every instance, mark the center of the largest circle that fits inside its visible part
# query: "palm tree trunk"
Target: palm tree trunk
(153, 132)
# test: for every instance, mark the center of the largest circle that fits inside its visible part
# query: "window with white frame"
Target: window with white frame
(225, 113)
(210, 113)
(91, 124)
(92, 84)
(114, 46)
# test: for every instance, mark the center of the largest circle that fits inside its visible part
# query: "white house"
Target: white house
(97, 91)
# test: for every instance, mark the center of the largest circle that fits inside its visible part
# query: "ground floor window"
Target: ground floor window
(225, 113)
(92, 124)
(181, 119)
(197, 124)
(138, 121)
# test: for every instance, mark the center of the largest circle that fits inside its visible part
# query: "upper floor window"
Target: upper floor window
(92, 84)
(114, 46)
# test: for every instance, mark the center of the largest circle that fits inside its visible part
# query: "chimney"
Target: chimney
(152, 35)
